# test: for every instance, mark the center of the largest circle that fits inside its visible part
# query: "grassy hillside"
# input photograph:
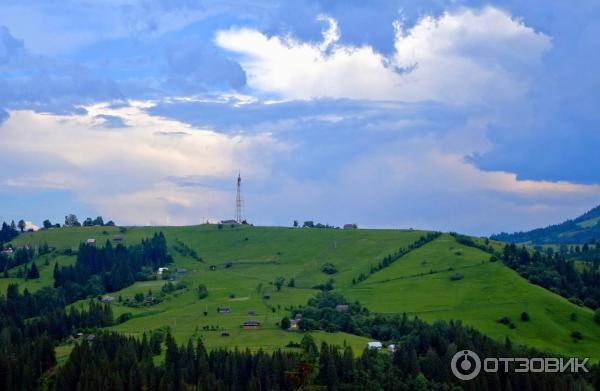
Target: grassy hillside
(418, 283)
(259, 255)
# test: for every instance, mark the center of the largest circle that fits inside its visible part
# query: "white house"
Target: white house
(91, 241)
(391, 348)
(375, 345)
(162, 269)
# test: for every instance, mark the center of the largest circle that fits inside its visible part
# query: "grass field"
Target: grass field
(418, 283)
(259, 255)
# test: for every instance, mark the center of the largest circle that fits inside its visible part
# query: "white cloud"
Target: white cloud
(123, 171)
(461, 57)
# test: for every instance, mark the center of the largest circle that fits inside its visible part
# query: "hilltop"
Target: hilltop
(583, 229)
(247, 262)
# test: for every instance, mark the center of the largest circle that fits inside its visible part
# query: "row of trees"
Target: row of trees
(71, 220)
(8, 232)
(391, 258)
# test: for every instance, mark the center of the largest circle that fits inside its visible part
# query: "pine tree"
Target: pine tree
(33, 273)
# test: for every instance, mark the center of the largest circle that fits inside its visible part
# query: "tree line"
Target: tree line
(391, 258)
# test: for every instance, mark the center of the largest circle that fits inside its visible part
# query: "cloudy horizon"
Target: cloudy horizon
(469, 116)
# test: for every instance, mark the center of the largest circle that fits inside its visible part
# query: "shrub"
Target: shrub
(574, 317)
(202, 291)
(456, 276)
(576, 335)
(124, 317)
(504, 320)
(329, 268)
(285, 323)
(524, 316)
(597, 316)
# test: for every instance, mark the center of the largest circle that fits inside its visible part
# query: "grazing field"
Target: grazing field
(441, 280)
(420, 284)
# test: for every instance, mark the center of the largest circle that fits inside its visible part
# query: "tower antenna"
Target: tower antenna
(238, 201)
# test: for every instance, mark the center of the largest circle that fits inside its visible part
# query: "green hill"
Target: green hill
(418, 283)
(583, 229)
(421, 284)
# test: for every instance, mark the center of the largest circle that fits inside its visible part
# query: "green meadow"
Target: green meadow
(418, 283)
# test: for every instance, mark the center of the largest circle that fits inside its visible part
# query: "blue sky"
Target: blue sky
(471, 116)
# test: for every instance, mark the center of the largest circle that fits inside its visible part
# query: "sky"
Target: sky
(469, 116)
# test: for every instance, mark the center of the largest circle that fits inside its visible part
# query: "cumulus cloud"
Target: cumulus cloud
(460, 57)
(125, 171)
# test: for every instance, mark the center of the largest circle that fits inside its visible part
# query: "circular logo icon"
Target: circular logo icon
(465, 365)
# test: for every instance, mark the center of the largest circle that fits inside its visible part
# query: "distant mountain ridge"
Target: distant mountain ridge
(583, 229)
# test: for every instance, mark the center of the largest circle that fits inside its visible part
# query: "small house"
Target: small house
(106, 299)
(228, 222)
(391, 349)
(161, 270)
(118, 239)
(293, 324)
(252, 312)
(298, 317)
(149, 300)
(90, 338)
(181, 270)
(266, 296)
(91, 241)
(223, 310)
(375, 345)
(251, 324)
(350, 226)
(341, 307)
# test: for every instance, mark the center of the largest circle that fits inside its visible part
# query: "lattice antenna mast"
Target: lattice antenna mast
(238, 201)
